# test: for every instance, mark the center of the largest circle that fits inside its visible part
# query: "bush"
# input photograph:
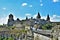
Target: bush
(10, 38)
(47, 26)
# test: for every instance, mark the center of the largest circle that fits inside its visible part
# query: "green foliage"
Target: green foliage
(5, 39)
(11, 27)
(47, 26)
(44, 27)
(10, 38)
(18, 34)
(0, 37)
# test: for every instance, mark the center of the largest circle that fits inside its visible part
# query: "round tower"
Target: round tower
(10, 20)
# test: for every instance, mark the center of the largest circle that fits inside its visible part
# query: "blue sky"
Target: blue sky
(22, 8)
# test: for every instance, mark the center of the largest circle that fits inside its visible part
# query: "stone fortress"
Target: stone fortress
(29, 22)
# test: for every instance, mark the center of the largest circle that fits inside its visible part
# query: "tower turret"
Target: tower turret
(26, 18)
(18, 19)
(48, 18)
(38, 16)
(11, 17)
(10, 20)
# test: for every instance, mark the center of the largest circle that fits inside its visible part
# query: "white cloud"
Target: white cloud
(55, 18)
(24, 4)
(43, 17)
(41, 4)
(22, 18)
(55, 0)
(30, 5)
(28, 15)
(4, 8)
(34, 16)
(3, 20)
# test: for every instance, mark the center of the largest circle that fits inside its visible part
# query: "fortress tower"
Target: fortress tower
(48, 18)
(38, 16)
(10, 20)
